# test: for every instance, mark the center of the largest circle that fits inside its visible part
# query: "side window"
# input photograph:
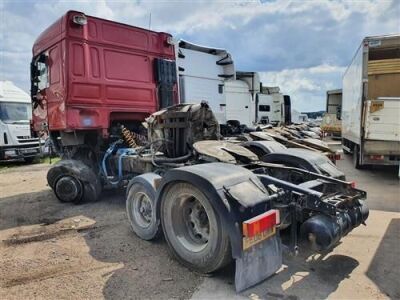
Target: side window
(264, 108)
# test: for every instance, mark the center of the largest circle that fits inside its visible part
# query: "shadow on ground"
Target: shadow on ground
(384, 269)
(305, 276)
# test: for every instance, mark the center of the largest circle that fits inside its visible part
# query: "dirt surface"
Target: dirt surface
(104, 261)
(39, 258)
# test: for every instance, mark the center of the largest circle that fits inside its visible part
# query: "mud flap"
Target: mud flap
(258, 263)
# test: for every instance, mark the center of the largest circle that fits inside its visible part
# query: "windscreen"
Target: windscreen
(15, 112)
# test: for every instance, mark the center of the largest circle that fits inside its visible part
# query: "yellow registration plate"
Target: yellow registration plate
(249, 242)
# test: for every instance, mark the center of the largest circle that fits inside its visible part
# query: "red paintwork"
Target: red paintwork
(98, 72)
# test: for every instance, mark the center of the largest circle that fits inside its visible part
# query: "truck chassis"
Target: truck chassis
(215, 201)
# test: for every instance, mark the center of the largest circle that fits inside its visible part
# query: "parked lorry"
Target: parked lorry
(331, 122)
(209, 74)
(203, 73)
(371, 103)
(16, 140)
(271, 107)
(213, 200)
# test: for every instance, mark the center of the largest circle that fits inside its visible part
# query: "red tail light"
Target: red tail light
(261, 223)
(337, 157)
(376, 157)
(353, 184)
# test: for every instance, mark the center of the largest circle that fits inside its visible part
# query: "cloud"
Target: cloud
(277, 37)
(306, 86)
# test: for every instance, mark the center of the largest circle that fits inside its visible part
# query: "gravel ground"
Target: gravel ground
(105, 261)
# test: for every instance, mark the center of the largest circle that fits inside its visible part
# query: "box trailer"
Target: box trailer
(371, 103)
(16, 139)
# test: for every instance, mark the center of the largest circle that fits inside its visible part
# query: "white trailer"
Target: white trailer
(16, 141)
(371, 103)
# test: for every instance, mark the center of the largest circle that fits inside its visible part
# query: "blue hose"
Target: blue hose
(121, 152)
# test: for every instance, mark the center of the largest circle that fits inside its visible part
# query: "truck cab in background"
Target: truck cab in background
(208, 74)
(16, 139)
(203, 73)
(331, 122)
(270, 106)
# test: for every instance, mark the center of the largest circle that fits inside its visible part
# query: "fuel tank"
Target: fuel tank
(323, 232)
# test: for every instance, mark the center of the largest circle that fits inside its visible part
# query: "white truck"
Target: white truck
(371, 103)
(16, 141)
(331, 122)
(203, 72)
(271, 106)
(208, 74)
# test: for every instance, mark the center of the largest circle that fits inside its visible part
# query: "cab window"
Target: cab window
(40, 72)
(264, 108)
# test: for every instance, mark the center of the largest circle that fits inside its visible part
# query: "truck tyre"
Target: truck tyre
(345, 151)
(356, 157)
(193, 229)
(29, 160)
(73, 181)
(140, 208)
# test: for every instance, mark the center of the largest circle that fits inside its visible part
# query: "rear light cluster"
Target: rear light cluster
(337, 156)
(261, 223)
(377, 157)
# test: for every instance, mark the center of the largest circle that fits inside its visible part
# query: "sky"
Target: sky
(301, 46)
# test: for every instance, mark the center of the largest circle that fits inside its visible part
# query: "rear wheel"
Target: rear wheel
(193, 229)
(345, 151)
(140, 208)
(356, 157)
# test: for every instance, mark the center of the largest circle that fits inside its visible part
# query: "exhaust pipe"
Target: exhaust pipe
(324, 232)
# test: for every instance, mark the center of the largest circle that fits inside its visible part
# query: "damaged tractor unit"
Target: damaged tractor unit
(213, 199)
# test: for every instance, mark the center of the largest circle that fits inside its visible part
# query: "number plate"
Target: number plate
(28, 151)
(249, 242)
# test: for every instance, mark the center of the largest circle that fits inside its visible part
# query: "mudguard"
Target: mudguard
(305, 159)
(216, 180)
(264, 147)
(148, 179)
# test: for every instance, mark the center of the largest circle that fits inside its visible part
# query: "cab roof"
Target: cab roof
(9, 92)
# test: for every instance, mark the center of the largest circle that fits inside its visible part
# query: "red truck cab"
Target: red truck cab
(88, 74)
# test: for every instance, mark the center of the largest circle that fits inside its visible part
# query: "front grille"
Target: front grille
(28, 141)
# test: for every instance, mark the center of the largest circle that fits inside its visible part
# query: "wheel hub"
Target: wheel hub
(143, 210)
(68, 188)
(196, 220)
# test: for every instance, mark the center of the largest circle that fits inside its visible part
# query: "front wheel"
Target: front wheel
(73, 181)
(193, 229)
(30, 159)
